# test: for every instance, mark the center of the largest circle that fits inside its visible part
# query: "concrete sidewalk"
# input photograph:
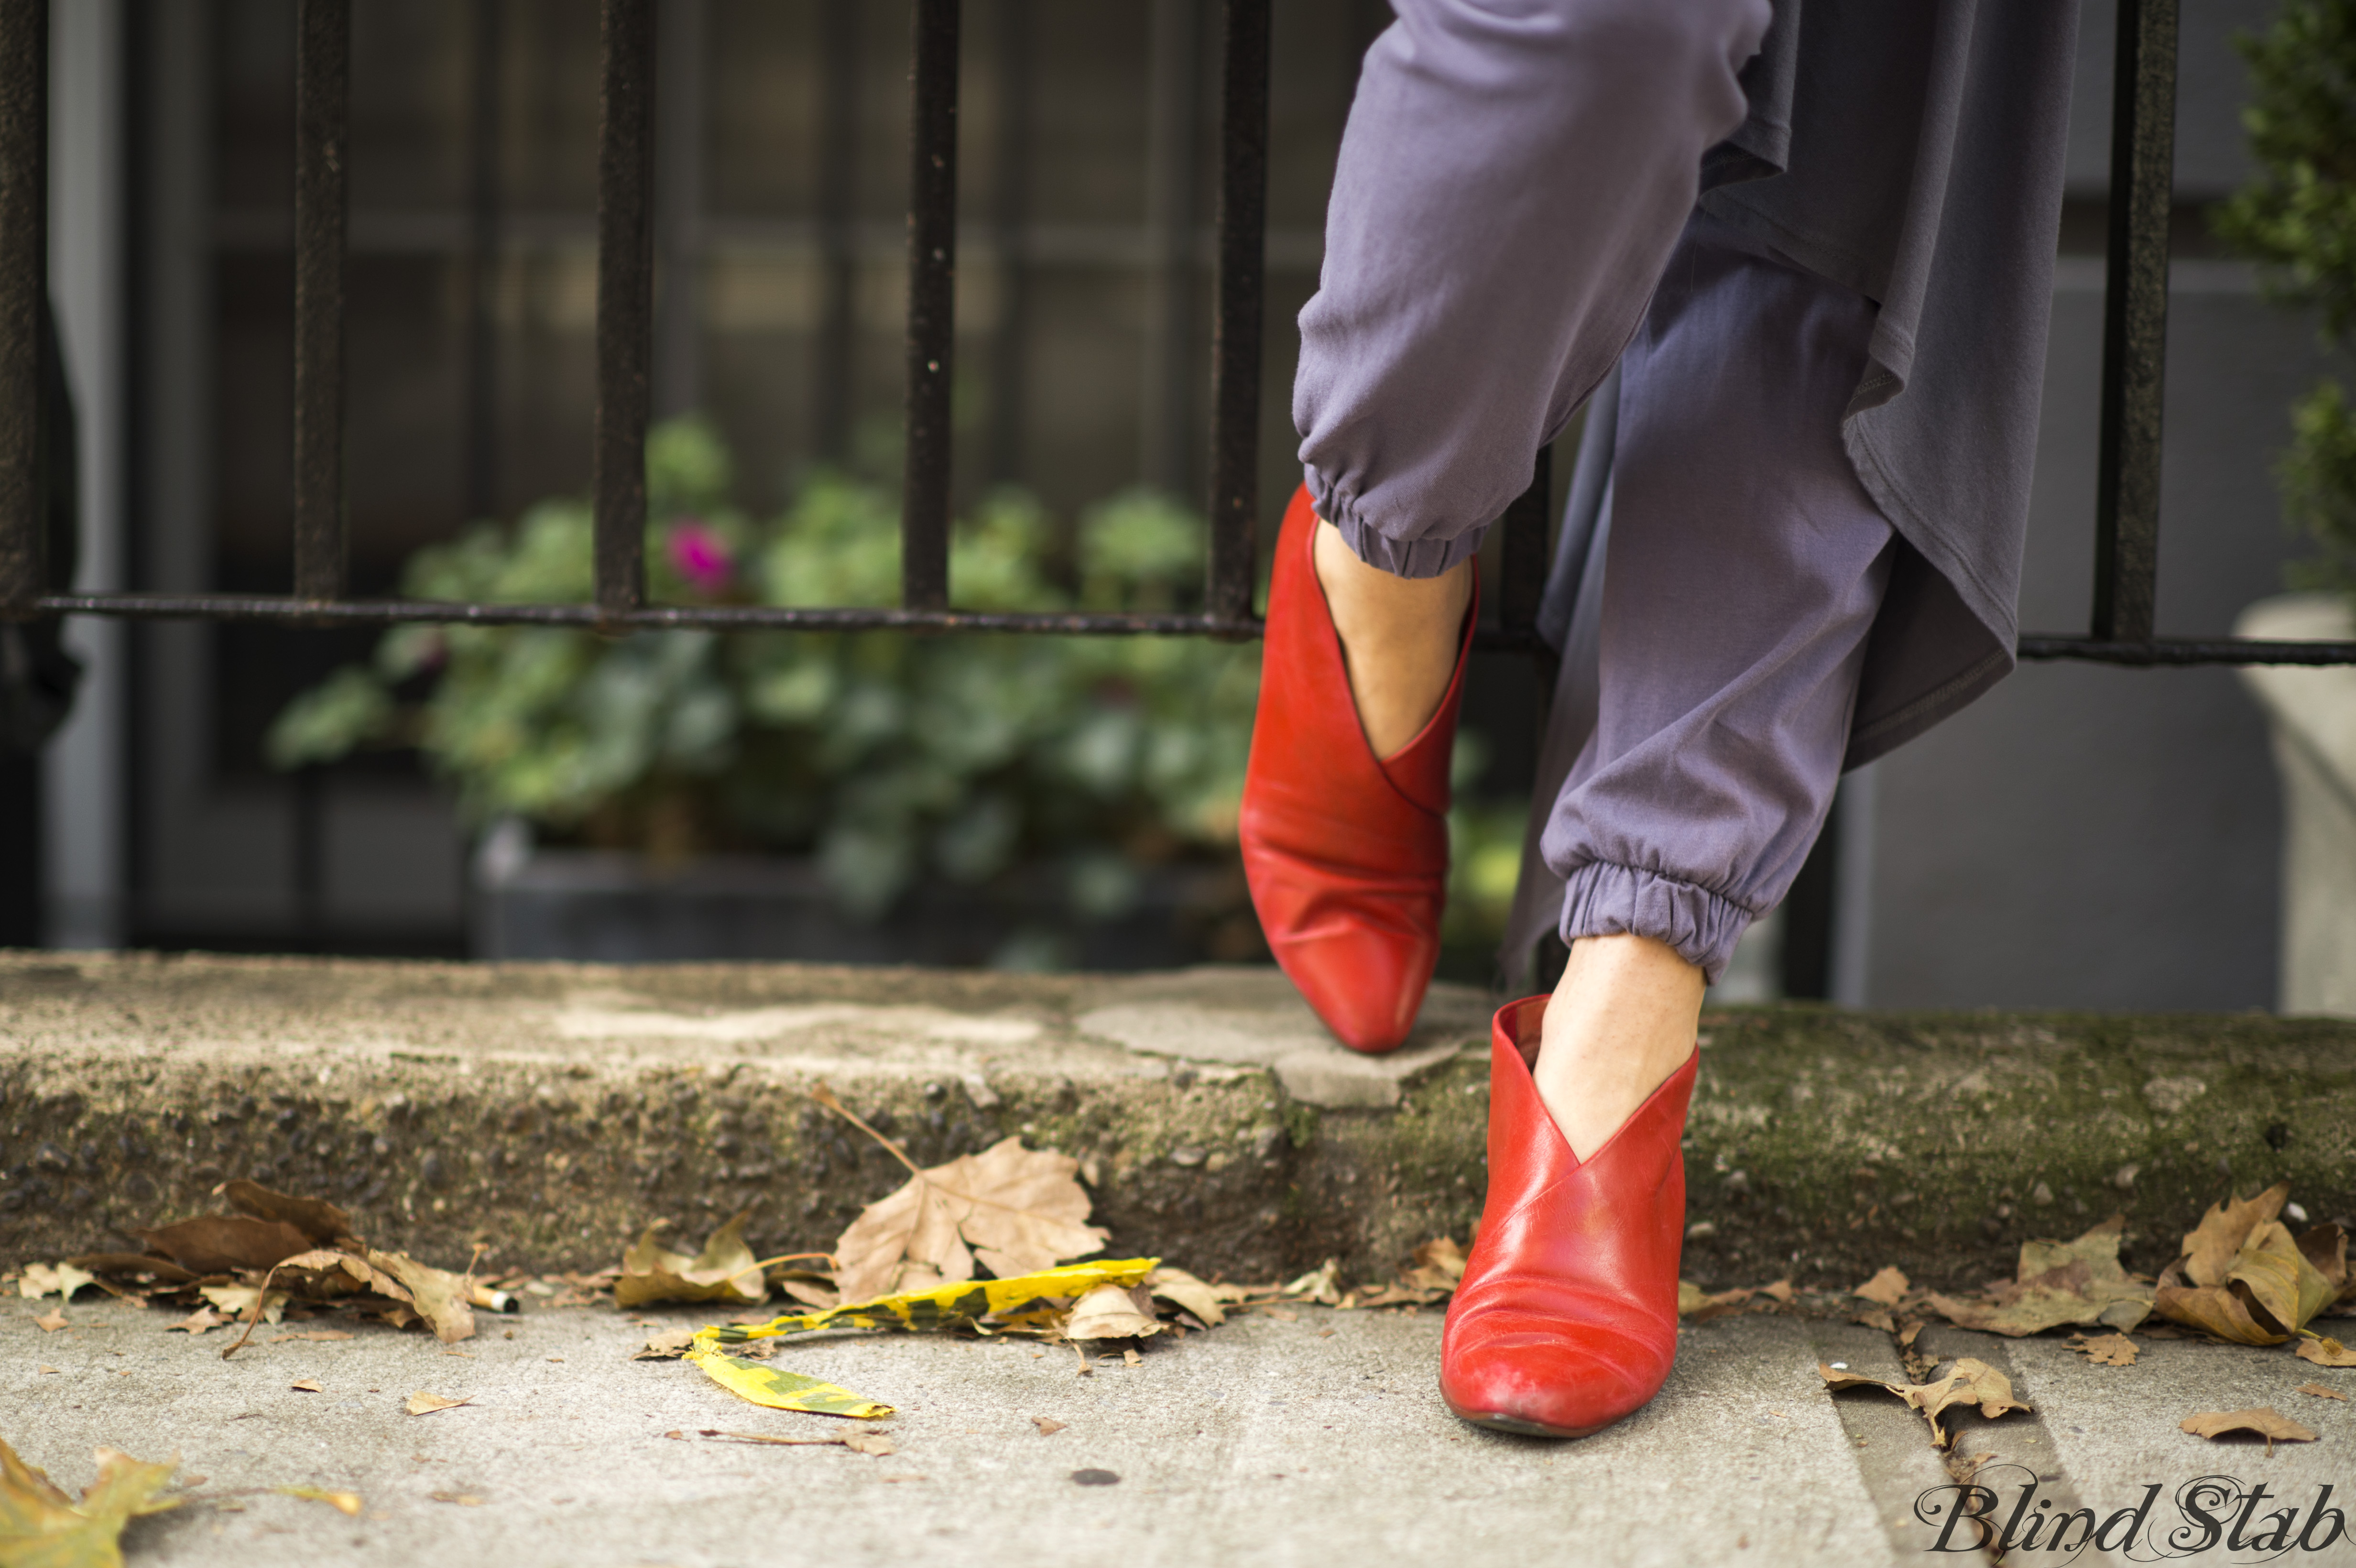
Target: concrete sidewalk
(550, 1111)
(1310, 1441)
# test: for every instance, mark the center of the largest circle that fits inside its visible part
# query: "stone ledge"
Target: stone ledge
(550, 1110)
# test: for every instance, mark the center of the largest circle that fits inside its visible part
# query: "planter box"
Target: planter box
(609, 907)
(2312, 715)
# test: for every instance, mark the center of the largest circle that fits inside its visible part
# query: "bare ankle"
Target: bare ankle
(1622, 1021)
(1399, 637)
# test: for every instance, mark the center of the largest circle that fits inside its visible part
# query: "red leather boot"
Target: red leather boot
(1347, 855)
(1567, 1319)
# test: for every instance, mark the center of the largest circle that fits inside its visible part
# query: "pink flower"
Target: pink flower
(698, 554)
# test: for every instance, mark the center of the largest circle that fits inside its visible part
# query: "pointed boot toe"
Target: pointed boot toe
(1566, 1319)
(1346, 854)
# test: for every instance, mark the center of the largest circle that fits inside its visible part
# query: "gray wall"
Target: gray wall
(2096, 837)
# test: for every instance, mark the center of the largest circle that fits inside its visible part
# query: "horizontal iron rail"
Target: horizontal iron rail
(289, 610)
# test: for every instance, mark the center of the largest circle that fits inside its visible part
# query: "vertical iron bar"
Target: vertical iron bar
(2135, 322)
(1522, 552)
(838, 180)
(1014, 201)
(625, 277)
(483, 143)
(24, 287)
(323, 41)
(1240, 289)
(932, 306)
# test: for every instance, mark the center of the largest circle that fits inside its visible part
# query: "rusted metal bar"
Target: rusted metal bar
(24, 285)
(323, 46)
(626, 301)
(2135, 322)
(1240, 289)
(932, 306)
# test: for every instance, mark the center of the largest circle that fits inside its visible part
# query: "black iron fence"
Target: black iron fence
(2134, 354)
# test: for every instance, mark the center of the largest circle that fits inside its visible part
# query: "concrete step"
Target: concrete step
(550, 1110)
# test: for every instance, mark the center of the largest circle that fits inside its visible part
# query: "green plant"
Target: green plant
(2297, 220)
(888, 755)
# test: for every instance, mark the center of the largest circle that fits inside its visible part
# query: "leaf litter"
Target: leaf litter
(2263, 1421)
(1971, 1383)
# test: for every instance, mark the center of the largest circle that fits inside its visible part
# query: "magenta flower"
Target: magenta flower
(698, 554)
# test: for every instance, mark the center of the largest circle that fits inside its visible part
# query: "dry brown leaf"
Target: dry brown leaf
(322, 1223)
(666, 1345)
(427, 1404)
(1970, 1382)
(1320, 1285)
(197, 1322)
(725, 1271)
(226, 1244)
(346, 1503)
(1780, 1291)
(2263, 1421)
(1109, 1312)
(53, 1320)
(1012, 1210)
(1439, 1267)
(2056, 1283)
(2325, 1351)
(135, 1265)
(1177, 1286)
(2261, 1293)
(1701, 1306)
(439, 1296)
(871, 1443)
(811, 1294)
(2211, 1247)
(2105, 1349)
(2320, 1391)
(236, 1301)
(306, 1385)
(1885, 1288)
(1048, 1428)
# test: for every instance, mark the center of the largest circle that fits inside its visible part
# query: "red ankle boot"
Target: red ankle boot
(1347, 855)
(1567, 1319)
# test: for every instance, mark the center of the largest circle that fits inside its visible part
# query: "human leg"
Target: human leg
(1514, 174)
(1743, 572)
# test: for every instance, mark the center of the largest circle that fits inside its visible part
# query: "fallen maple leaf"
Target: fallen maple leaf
(2325, 1351)
(1885, 1288)
(2320, 1391)
(2250, 1282)
(2105, 1349)
(1970, 1382)
(41, 1527)
(2263, 1421)
(724, 1271)
(345, 1503)
(2058, 1283)
(1013, 1210)
(1109, 1312)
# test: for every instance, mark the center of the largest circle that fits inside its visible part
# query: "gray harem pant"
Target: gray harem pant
(1513, 213)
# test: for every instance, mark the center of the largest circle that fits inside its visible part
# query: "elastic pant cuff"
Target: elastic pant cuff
(1604, 899)
(1400, 558)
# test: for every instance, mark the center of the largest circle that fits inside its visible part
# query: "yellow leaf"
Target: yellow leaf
(1008, 1209)
(781, 1389)
(346, 1503)
(41, 1527)
(61, 1280)
(2262, 1294)
(953, 1305)
(725, 1271)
